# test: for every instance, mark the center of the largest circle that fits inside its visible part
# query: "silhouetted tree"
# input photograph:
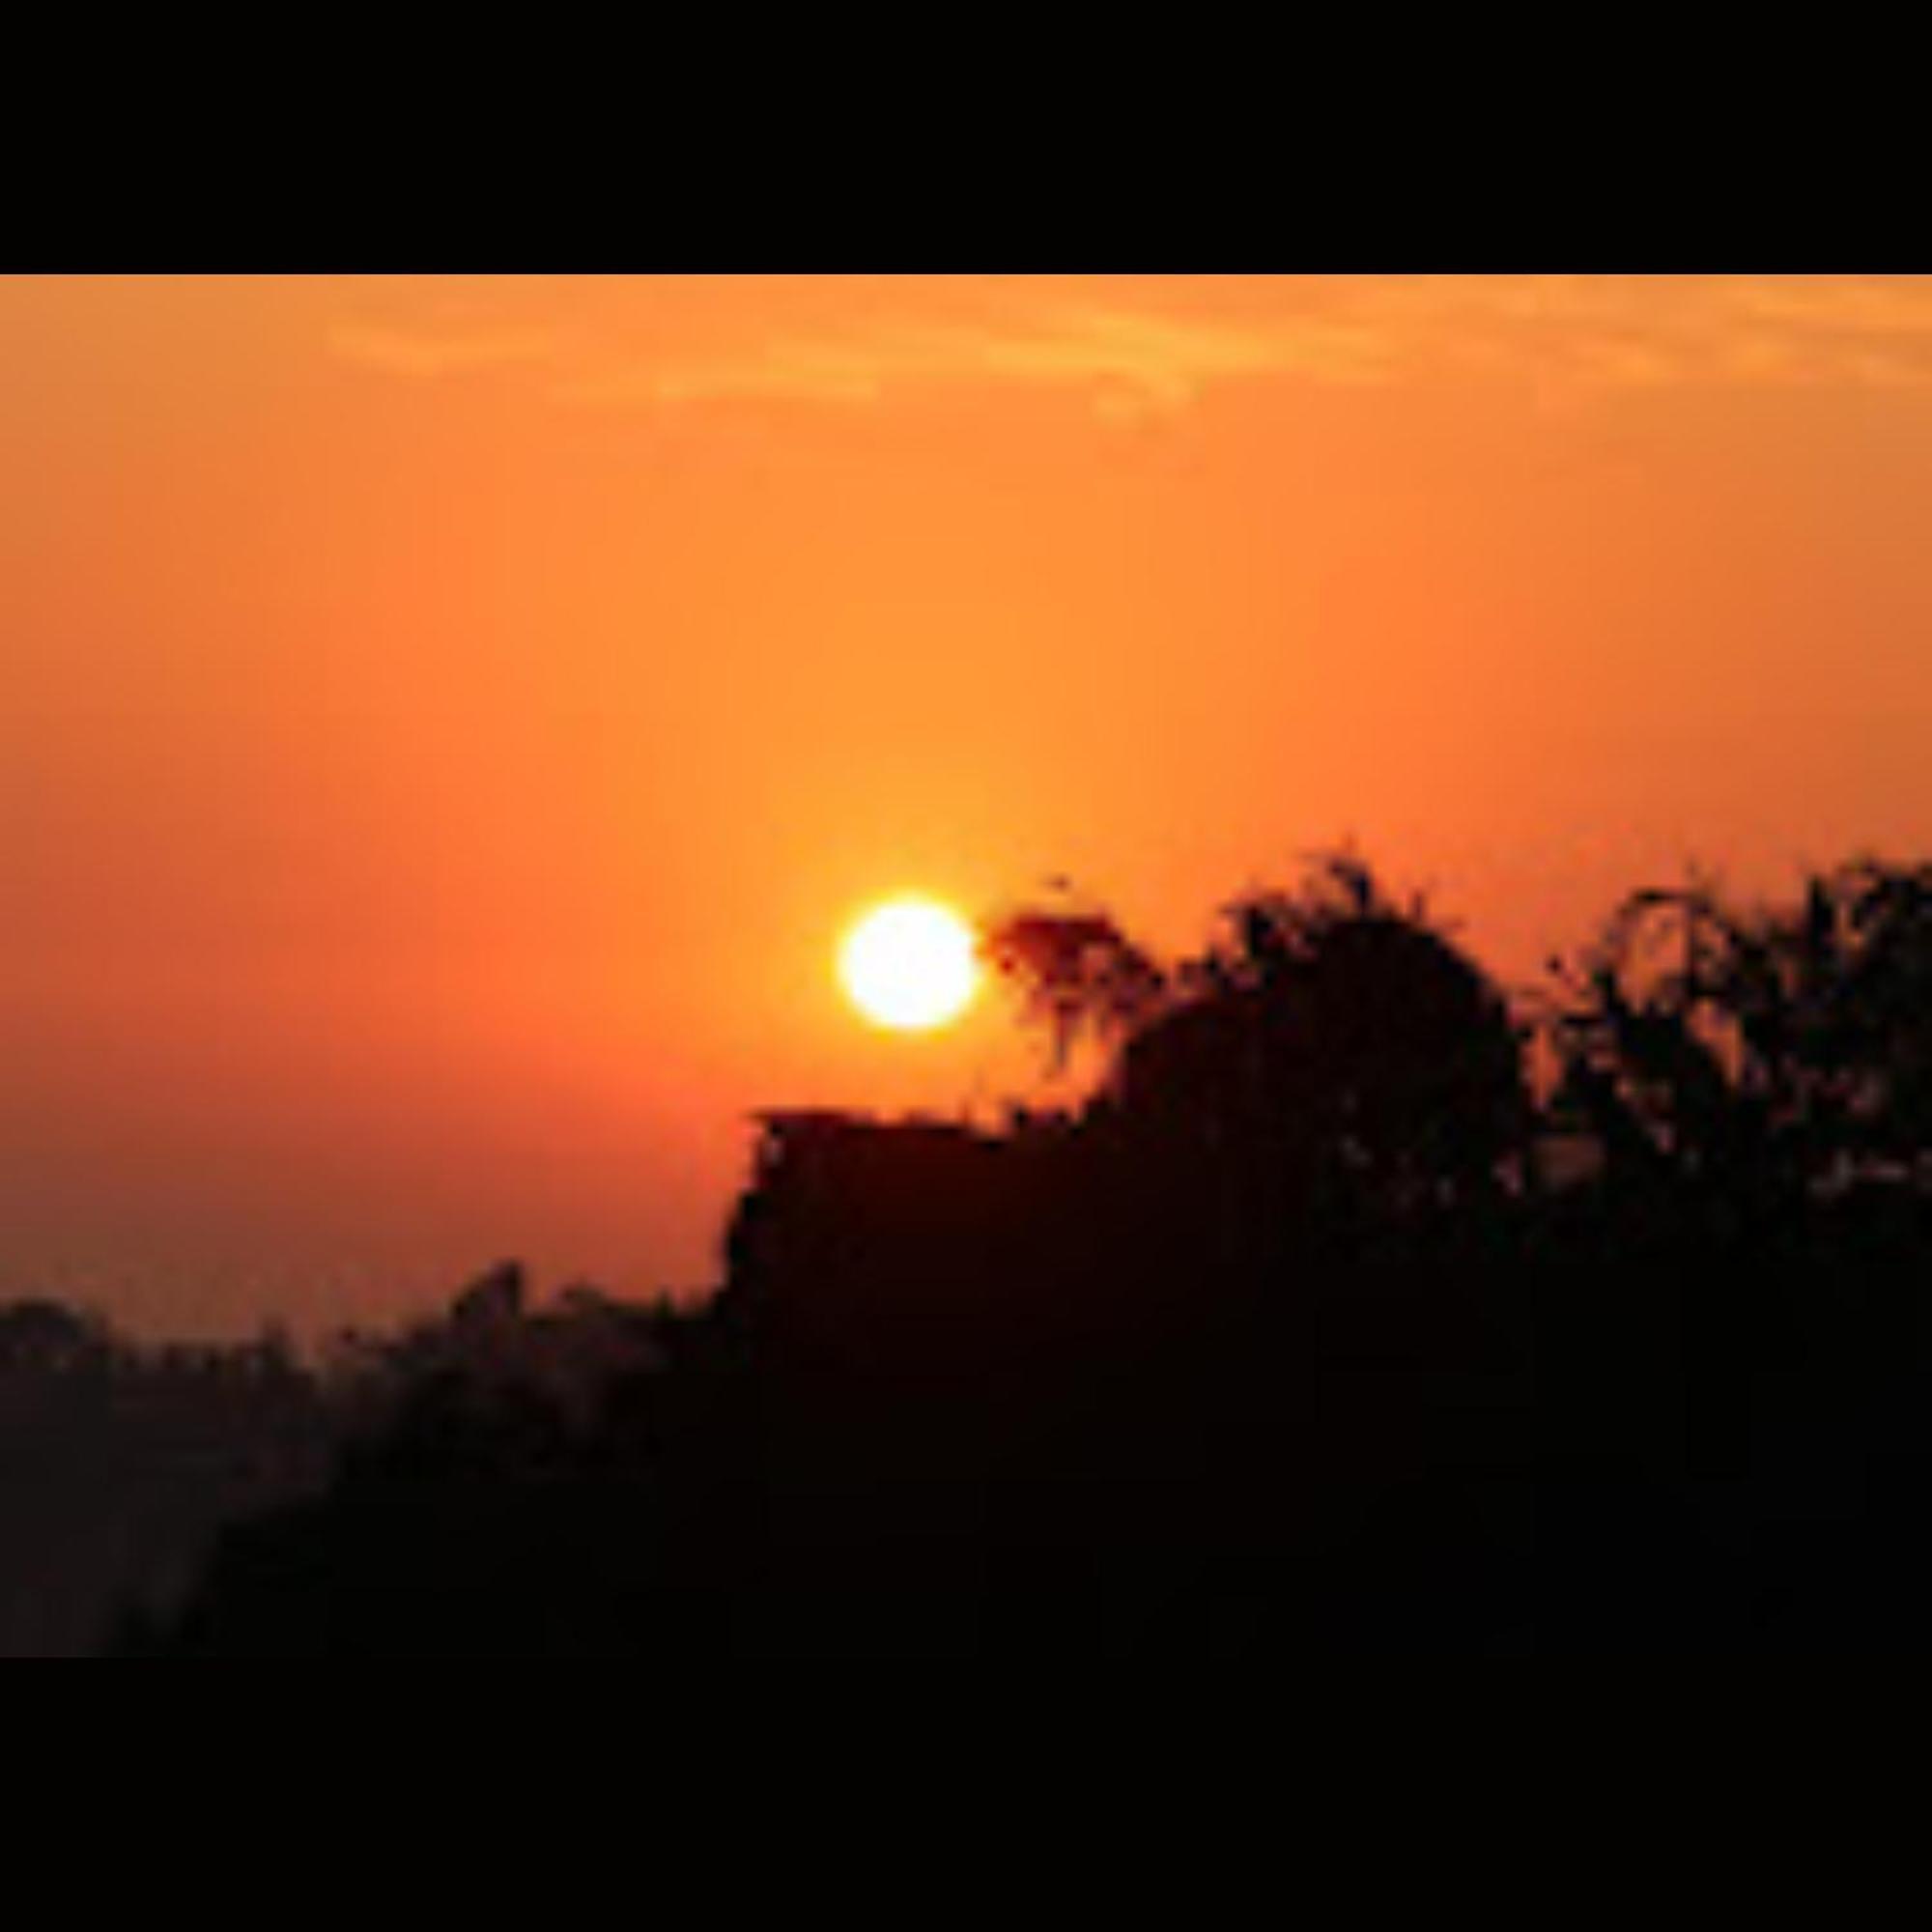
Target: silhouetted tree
(1076, 972)
(1323, 1033)
(1774, 1048)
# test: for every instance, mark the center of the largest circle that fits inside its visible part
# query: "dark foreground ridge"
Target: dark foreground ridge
(1358, 1308)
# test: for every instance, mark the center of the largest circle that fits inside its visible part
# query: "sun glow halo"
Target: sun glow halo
(910, 964)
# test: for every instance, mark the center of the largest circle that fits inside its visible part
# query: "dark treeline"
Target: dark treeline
(1357, 1306)
(121, 1461)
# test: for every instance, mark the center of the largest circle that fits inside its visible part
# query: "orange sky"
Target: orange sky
(444, 725)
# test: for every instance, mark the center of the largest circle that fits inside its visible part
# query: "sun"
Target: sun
(911, 965)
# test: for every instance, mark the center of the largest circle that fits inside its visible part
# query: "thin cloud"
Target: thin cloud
(1121, 358)
(1132, 360)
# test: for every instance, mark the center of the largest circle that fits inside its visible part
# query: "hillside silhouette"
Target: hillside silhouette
(1358, 1305)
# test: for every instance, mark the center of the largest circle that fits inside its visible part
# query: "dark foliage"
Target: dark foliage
(1292, 1337)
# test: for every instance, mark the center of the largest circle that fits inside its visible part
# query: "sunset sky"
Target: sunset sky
(447, 725)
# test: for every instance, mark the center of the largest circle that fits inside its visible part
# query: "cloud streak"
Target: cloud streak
(1135, 356)
(1126, 361)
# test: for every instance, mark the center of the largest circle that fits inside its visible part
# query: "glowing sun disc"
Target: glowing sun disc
(910, 964)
